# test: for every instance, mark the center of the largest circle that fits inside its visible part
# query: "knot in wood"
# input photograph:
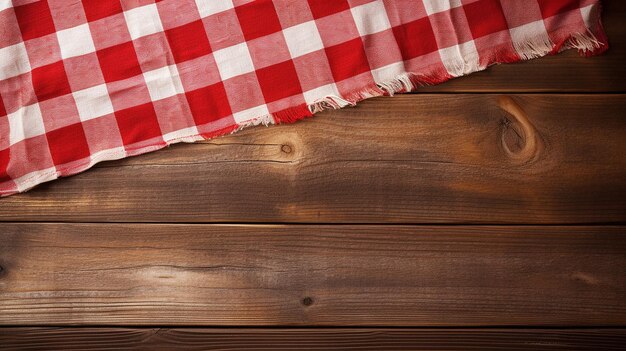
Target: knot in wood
(286, 149)
(307, 301)
(520, 140)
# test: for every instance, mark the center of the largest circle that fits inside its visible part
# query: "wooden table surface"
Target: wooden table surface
(487, 212)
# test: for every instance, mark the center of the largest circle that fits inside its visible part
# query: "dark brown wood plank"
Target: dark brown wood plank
(409, 159)
(565, 72)
(330, 275)
(310, 339)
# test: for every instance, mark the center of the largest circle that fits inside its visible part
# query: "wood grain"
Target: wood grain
(325, 275)
(540, 159)
(310, 339)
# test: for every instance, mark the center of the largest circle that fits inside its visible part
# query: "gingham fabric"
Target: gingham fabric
(93, 80)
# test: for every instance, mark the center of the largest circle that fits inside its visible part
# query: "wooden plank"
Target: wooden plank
(329, 275)
(310, 339)
(556, 159)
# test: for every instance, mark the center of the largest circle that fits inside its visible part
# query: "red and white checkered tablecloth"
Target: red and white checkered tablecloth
(93, 80)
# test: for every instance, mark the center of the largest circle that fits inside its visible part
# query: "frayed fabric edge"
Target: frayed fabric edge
(593, 42)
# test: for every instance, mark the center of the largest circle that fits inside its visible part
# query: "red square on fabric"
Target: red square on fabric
(138, 123)
(551, 8)
(35, 20)
(347, 59)
(188, 41)
(407, 33)
(4, 162)
(97, 9)
(323, 8)
(68, 144)
(279, 81)
(119, 62)
(257, 19)
(481, 24)
(208, 104)
(50, 81)
(3, 111)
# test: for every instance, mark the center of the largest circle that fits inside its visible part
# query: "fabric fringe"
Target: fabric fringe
(593, 42)
(534, 47)
(586, 43)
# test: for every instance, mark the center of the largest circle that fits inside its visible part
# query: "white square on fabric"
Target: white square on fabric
(528, 31)
(143, 20)
(75, 41)
(587, 16)
(371, 18)
(460, 59)
(434, 6)
(233, 61)
(302, 39)
(13, 61)
(93, 102)
(25, 123)
(24, 182)
(314, 95)
(5, 4)
(163, 82)
(251, 113)
(211, 7)
(388, 73)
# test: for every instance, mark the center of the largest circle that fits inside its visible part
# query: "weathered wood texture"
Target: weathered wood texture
(414, 159)
(334, 275)
(16, 339)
